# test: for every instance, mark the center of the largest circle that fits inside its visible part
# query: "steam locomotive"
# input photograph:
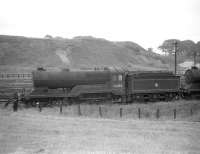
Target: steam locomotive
(191, 85)
(112, 86)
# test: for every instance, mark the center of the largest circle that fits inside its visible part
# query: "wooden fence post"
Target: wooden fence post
(191, 112)
(139, 112)
(120, 112)
(158, 114)
(79, 110)
(61, 103)
(100, 112)
(174, 113)
(40, 107)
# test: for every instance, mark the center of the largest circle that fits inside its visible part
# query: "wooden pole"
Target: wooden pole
(100, 112)
(40, 106)
(191, 112)
(61, 103)
(158, 114)
(120, 112)
(139, 112)
(79, 110)
(175, 50)
(174, 113)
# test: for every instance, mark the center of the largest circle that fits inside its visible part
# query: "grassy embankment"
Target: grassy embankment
(48, 132)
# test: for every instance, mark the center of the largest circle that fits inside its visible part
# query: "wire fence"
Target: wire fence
(140, 113)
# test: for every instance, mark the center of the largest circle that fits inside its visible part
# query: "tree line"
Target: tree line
(187, 47)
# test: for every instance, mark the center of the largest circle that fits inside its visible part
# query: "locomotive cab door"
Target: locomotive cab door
(117, 85)
(117, 80)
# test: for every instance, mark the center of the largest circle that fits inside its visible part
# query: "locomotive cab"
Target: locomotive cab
(117, 80)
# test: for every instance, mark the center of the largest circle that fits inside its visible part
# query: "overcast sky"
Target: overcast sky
(146, 22)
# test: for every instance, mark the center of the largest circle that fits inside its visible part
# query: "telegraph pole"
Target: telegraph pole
(194, 56)
(175, 59)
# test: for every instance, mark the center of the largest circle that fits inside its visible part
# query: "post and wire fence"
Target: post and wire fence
(123, 112)
(136, 113)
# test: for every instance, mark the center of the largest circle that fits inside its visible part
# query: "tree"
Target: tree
(198, 51)
(48, 36)
(186, 47)
(150, 49)
(168, 46)
(190, 48)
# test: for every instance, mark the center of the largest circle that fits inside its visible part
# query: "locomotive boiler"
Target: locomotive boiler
(68, 79)
(76, 85)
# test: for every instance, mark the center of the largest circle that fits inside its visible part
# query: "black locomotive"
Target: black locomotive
(115, 86)
(191, 83)
(152, 86)
(76, 86)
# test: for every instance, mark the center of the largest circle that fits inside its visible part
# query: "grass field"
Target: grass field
(48, 132)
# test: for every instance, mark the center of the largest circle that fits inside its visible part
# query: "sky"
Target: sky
(146, 22)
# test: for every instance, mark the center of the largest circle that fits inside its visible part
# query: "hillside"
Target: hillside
(80, 52)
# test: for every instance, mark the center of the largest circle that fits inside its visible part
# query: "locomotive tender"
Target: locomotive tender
(152, 86)
(115, 86)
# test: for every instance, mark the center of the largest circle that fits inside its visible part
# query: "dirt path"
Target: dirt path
(28, 131)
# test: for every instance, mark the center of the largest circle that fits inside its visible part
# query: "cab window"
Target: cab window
(117, 77)
(120, 77)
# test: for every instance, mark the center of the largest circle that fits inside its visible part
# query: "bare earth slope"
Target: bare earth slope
(28, 132)
(80, 52)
